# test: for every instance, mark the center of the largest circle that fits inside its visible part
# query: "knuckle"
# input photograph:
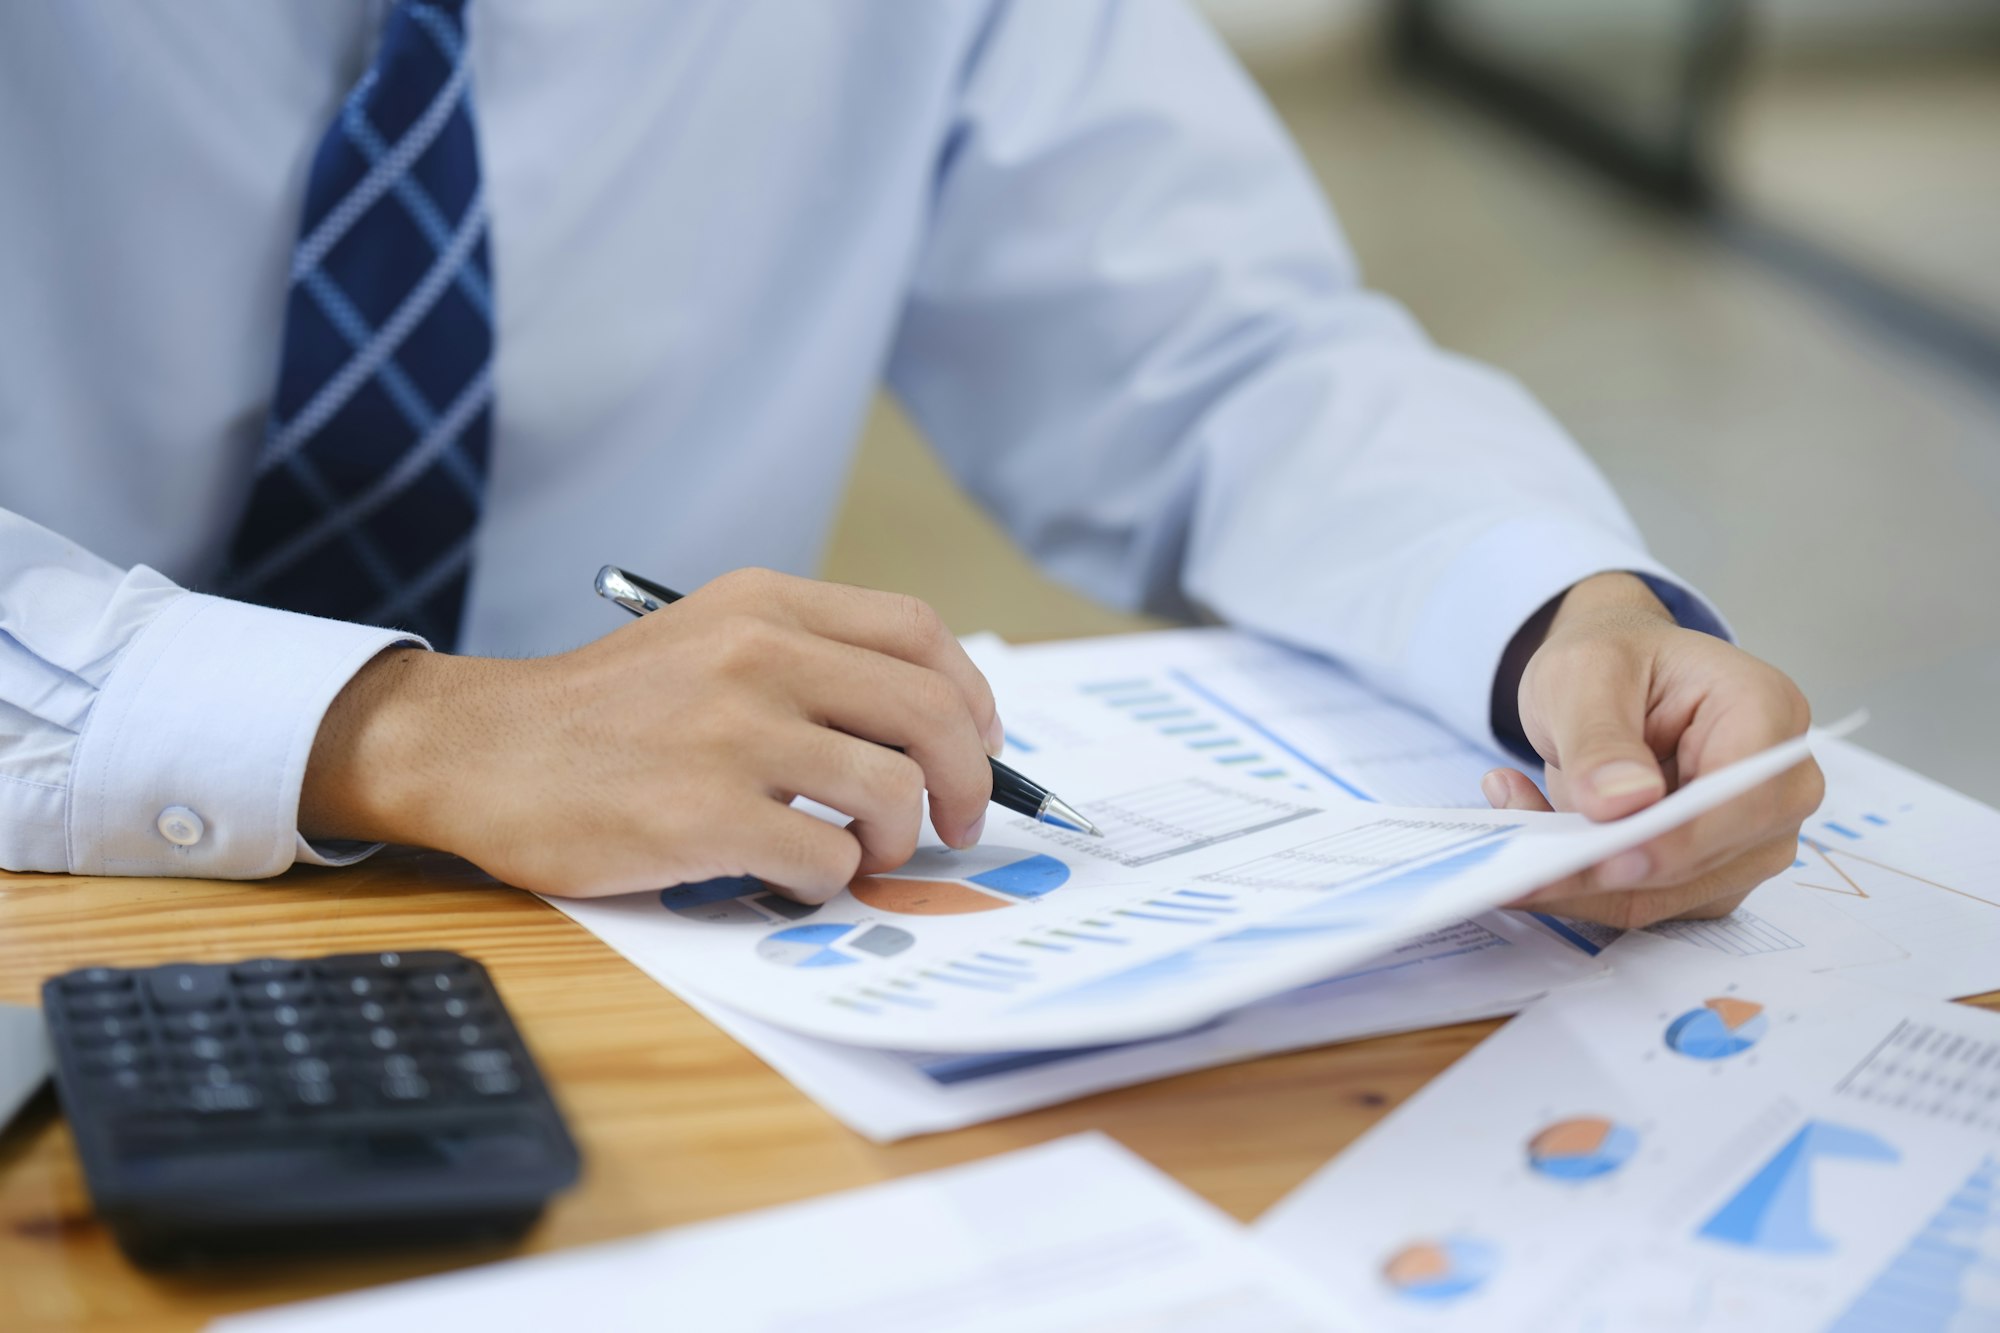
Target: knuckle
(897, 780)
(743, 643)
(922, 626)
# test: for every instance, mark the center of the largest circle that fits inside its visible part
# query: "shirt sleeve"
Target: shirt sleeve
(149, 730)
(1137, 337)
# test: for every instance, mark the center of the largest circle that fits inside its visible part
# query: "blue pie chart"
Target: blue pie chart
(1433, 1272)
(1581, 1148)
(1722, 1027)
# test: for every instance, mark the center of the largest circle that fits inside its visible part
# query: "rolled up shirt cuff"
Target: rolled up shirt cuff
(1498, 581)
(195, 750)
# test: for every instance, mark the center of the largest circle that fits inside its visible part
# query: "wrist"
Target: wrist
(1616, 598)
(1602, 599)
(380, 764)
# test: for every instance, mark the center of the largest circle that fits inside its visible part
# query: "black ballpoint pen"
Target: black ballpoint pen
(1010, 790)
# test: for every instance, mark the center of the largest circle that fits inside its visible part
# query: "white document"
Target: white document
(1077, 1235)
(1703, 1143)
(1800, 930)
(1897, 883)
(1911, 860)
(1209, 893)
(1241, 705)
(1493, 965)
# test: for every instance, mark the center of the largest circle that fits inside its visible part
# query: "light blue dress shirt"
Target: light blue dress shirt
(1068, 233)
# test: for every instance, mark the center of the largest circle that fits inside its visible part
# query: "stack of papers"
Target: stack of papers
(1249, 852)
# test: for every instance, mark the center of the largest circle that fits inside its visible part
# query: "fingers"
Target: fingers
(1511, 789)
(1721, 836)
(1705, 897)
(892, 702)
(888, 623)
(801, 856)
(1597, 730)
(881, 789)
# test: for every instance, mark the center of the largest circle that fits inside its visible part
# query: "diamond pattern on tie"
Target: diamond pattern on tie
(371, 477)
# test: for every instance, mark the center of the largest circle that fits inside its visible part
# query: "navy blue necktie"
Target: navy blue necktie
(373, 469)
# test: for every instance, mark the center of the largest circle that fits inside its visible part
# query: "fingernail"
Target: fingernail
(972, 834)
(1622, 777)
(996, 737)
(1625, 869)
(1494, 787)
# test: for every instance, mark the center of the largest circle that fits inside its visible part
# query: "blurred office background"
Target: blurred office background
(1747, 250)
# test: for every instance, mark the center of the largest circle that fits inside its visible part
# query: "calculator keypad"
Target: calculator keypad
(277, 1038)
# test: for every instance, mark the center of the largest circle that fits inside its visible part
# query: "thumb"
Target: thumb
(1598, 728)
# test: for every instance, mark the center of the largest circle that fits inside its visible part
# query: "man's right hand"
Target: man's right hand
(669, 751)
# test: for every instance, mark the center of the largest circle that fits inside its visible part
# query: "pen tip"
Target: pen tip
(1057, 811)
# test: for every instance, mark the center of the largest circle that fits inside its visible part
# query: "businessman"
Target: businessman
(340, 342)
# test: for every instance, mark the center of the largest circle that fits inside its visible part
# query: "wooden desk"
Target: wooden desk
(676, 1121)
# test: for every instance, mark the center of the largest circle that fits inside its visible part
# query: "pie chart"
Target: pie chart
(940, 882)
(739, 900)
(830, 944)
(1722, 1027)
(1581, 1148)
(1435, 1271)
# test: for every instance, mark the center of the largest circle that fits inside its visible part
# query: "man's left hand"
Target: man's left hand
(1624, 705)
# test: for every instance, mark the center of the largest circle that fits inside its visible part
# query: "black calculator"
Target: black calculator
(360, 1100)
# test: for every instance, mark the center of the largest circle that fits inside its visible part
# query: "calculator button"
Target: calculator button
(268, 969)
(367, 1014)
(275, 991)
(186, 987)
(435, 985)
(296, 1043)
(213, 1098)
(101, 1031)
(405, 1088)
(492, 1061)
(384, 1039)
(207, 1049)
(309, 1070)
(127, 1085)
(120, 1055)
(363, 987)
(453, 1011)
(284, 1018)
(122, 1004)
(469, 1035)
(314, 1094)
(96, 979)
(199, 1023)
(497, 1084)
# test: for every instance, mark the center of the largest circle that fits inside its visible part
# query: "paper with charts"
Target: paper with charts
(1896, 883)
(1208, 892)
(1703, 1144)
(1494, 965)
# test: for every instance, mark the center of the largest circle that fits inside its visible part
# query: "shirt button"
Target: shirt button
(180, 826)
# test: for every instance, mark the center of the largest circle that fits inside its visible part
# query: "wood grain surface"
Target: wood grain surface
(676, 1121)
